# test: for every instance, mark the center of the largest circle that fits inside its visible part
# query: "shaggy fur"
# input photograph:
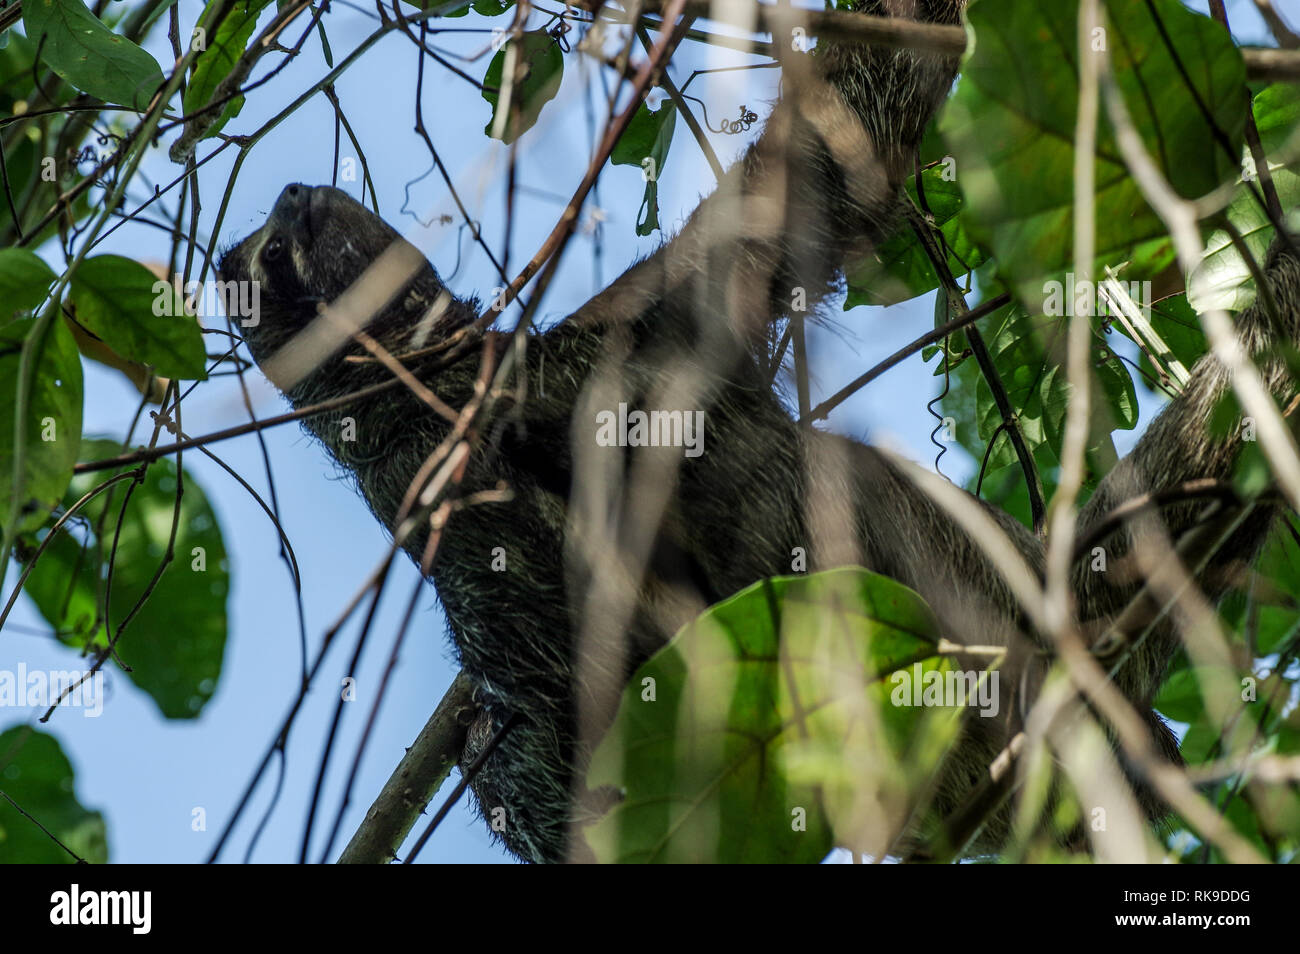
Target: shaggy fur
(608, 552)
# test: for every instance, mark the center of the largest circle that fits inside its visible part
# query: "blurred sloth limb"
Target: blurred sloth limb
(557, 589)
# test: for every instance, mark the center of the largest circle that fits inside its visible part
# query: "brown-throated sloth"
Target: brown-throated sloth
(608, 551)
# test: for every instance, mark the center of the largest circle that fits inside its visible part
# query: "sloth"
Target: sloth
(564, 564)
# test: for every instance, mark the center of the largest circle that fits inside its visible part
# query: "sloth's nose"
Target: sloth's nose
(293, 208)
(294, 198)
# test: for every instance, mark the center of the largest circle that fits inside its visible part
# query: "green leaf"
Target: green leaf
(1199, 744)
(1275, 595)
(138, 316)
(325, 50)
(1180, 697)
(20, 160)
(36, 774)
(900, 269)
(53, 420)
(1223, 279)
(24, 281)
(1206, 697)
(215, 63)
(1116, 386)
(646, 140)
(175, 644)
(647, 219)
(1180, 329)
(780, 705)
(645, 144)
(1027, 355)
(1011, 127)
(1251, 473)
(535, 84)
(16, 62)
(81, 49)
(1034, 385)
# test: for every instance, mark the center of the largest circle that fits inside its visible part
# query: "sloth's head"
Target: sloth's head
(322, 266)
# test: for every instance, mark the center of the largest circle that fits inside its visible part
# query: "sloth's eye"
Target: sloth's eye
(273, 250)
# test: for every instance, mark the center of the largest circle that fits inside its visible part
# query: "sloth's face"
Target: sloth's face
(316, 245)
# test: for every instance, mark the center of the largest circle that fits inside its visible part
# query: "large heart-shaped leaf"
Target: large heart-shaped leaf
(774, 724)
(1011, 127)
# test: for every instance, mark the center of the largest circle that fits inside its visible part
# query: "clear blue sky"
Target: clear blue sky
(148, 774)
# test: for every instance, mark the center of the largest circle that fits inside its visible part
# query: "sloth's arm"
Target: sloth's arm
(1177, 448)
(921, 546)
(821, 181)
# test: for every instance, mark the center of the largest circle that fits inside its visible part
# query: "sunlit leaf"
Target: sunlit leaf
(765, 714)
(80, 48)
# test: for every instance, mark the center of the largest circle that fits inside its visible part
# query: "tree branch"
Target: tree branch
(416, 780)
(1262, 63)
